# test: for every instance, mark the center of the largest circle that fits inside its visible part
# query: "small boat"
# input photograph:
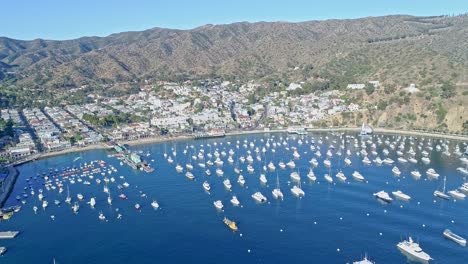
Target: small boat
(263, 179)
(413, 249)
(102, 217)
(291, 164)
(206, 186)
(327, 163)
(295, 176)
(189, 175)
(259, 197)
(92, 202)
(282, 165)
(227, 184)
(241, 180)
(179, 168)
(297, 191)
(155, 204)
(35, 209)
(311, 175)
(400, 195)
(2, 250)
(340, 175)
(454, 237)
(457, 194)
(75, 207)
(432, 173)
(137, 207)
(442, 194)
(122, 196)
(328, 178)
(218, 204)
(231, 224)
(80, 196)
(416, 174)
(396, 171)
(235, 201)
(347, 161)
(383, 196)
(357, 176)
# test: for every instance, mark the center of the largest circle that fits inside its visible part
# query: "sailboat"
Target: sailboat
(109, 199)
(277, 194)
(442, 194)
(68, 199)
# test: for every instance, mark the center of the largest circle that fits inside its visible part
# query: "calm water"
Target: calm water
(336, 223)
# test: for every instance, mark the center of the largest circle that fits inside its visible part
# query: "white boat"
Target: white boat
(464, 187)
(206, 186)
(277, 194)
(109, 199)
(297, 191)
(400, 195)
(235, 201)
(457, 194)
(189, 175)
(311, 175)
(340, 175)
(295, 176)
(402, 160)
(263, 179)
(250, 169)
(432, 173)
(291, 164)
(442, 194)
(271, 166)
(219, 172)
(155, 204)
(282, 165)
(347, 161)
(35, 209)
(327, 163)
(425, 160)
(413, 249)
(358, 176)
(227, 184)
(328, 178)
(454, 237)
(383, 196)
(179, 168)
(413, 160)
(92, 202)
(75, 207)
(189, 166)
(80, 196)
(416, 174)
(388, 161)
(44, 204)
(241, 180)
(396, 171)
(102, 217)
(365, 260)
(218, 204)
(259, 197)
(366, 161)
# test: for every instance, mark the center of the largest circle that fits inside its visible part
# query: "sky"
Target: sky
(68, 19)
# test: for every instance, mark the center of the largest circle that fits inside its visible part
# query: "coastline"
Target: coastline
(8, 184)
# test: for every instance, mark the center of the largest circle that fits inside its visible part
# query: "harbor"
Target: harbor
(282, 198)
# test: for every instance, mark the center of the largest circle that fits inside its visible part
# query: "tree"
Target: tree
(369, 89)
(448, 89)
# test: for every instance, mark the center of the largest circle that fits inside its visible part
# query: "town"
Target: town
(204, 108)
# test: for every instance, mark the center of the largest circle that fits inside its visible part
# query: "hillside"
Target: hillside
(393, 48)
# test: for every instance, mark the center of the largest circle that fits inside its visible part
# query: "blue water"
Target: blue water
(332, 224)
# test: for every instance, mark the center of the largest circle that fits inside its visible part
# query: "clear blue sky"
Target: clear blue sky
(67, 19)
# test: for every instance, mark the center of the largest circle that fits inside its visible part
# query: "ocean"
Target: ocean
(332, 223)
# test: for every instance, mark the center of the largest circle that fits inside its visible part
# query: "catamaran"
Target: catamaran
(277, 194)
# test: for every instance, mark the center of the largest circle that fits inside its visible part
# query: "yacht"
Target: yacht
(413, 249)
(396, 171)
(282, 165)
(388, 161)
(189, 175)
(235, 201)
(258, 196)
(102, 217)
(297, 191)
(327, 163)
(366, 161)
(416, 174)
(425, 160)
(227, 184)
(347, 161)
(137, 206)
(457, 194)
(219, 172)
(358, 176)
(155, 204)
(291, 164)
(383, 196)
(295, 176)
(378, 161)
(44, 204)
(75, 207)
(92, 202)
(179, 168)
(218, 204)
(206, 186)
(464, 187)
(271, 166)
(432, 173)
(402, 160)
(189, 166)
(314, 162)
(263, 179)
(413, 160)
(400, 195)
(208, 172)
(340, 175)
(241, 180)
(311, 175)
(328, 178)
(365, 260)
(250, 169)
(454, 237)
